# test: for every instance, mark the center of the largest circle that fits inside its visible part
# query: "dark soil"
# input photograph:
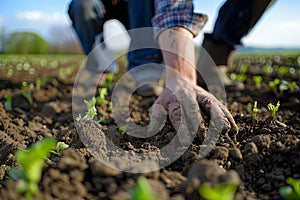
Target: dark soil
(264, 155)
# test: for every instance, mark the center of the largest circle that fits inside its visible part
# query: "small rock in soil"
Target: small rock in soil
(71, 160)
(99, 169)
(220, 153)
(262, 141)
(235, 154)
(250, 148)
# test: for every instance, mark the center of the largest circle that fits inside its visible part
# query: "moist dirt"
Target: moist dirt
(264, 154)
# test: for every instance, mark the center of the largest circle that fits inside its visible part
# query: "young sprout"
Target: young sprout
(27, 92)
(254, 112)
(223, 191)
(31, 161)
(38, 83)
(109, 108)
(238, 77)
(59, 147)
(7, 103)
(78, 118)
(102, 120)
(292, 86)
(257, 80)
(283, 70)
(122, 129)
(273, 84)
(109, 81)
(102, 94)
(292, 191)
(249, 107)
(91, 110)
(243, 69)
(267, 69)
(273, 108)
(10, 73)
(142, 190)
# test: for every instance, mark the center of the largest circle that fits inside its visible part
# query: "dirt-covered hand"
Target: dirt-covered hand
(183, 101)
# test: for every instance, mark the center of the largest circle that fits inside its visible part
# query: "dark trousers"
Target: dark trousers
(236, 18)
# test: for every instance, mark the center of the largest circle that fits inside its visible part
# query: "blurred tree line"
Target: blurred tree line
(61, 40)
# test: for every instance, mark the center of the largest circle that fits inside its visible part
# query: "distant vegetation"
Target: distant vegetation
(26, 42)
(266, 50)
(61, 40)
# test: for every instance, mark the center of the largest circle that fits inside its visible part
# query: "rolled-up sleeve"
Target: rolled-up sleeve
(170, 13)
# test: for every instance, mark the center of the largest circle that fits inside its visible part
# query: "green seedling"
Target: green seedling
(39, 83)
(223, 191)
(109, 81)
(238, 77)
(10, 73)
(78, 118)
(27, 92)
(253, 110)
(283, 70)
(292, 191)
(31, 161)
(59, 147)
(267, 69)
(109, 108)
(243, 69)
(91, 110)
(102, 120)
(102, 94)
(142, 190)
(273, 108)
(122, 129)
(257, 80)
(249, 108)
(273, 84)
(66, 72)
(292, 86)
(7, 103)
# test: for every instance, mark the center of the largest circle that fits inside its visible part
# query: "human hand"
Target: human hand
(184, 103)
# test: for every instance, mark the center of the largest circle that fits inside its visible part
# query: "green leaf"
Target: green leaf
(291, 192)
(102, 120)
(142, 190)
(32, 159)
(91, 109)
(223, 191)
(61, 146)
(122, 129)
(102, 94)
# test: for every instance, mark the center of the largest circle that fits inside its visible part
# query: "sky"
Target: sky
(279, 27)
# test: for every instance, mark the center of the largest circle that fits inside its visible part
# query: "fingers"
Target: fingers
(234, 127)
(158, 117)
(220, 116)
(174, 110)
(185, 115)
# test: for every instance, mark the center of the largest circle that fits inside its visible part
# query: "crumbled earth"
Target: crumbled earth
(265, 152)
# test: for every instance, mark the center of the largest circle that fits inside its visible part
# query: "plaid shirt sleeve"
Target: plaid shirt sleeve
(170, 13)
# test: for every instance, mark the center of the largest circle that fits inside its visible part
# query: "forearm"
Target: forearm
(178, 52)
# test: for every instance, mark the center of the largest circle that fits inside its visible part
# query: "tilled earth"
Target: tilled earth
(262, 157)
